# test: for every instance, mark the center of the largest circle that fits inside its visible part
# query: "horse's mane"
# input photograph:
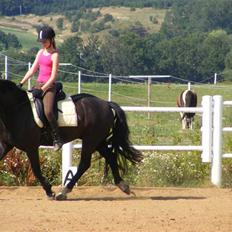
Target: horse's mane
(6, 85)
(10, 88)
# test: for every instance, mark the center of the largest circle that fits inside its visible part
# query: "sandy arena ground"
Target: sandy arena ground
(26, 209)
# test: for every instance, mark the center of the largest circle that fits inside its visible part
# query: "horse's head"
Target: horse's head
(188, 120)
(10, 97)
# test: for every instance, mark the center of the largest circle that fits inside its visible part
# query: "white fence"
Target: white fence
(211, 142)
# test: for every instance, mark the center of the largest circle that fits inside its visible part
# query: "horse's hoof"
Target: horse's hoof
(124, 187)
(51, 196)
(63, 194)
(60, 196)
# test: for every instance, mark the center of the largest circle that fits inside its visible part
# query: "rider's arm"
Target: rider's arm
(33, 69)
(52, 79)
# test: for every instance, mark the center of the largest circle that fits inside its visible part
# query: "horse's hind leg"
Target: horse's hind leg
(35, 165)
(112, 160)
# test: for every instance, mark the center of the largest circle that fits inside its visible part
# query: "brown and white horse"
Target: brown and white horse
(187, 98)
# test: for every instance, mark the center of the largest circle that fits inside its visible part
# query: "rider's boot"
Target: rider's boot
(57, 142)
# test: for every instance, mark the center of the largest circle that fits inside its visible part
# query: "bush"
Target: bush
(172, 169)
(157, 170)
(60, 23)
(114, 32)
(108, 18)
(227, 173)
(16, 170)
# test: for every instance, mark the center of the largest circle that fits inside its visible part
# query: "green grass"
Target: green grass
(27, 39)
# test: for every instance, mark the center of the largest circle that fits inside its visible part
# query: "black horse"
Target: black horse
(102, 126)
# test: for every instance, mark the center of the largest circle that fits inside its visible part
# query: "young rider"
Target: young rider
(47, 61)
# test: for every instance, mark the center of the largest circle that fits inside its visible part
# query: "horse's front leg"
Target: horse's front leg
(85, 161)
(4, 150)
(35, 165)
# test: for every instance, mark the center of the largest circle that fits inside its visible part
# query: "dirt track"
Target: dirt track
(26, 209)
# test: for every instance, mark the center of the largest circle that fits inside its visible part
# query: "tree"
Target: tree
(70, 52)
(9, 41)
(192, 16)
(91, 57)
(180, 56)
(215, 48)
(60, 23)
(123, 55)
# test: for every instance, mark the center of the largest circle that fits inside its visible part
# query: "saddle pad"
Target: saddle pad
(34, 111)
(67, 112)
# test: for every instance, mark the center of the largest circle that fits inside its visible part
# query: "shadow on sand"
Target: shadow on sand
(136, 198)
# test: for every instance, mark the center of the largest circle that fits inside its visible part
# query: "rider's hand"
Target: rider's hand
(20, 85)
(37, 93)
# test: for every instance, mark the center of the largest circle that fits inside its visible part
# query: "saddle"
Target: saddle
(60, 95)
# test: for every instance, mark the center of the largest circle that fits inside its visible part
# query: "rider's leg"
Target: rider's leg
(48, 101)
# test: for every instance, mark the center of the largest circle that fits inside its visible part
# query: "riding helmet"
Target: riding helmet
(45, 33)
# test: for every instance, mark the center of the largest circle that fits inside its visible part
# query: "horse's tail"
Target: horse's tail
(120, 137)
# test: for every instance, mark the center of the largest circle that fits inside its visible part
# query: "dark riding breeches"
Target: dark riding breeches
(48, 101)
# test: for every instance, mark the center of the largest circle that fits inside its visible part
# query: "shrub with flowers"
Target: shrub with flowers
(172, 169)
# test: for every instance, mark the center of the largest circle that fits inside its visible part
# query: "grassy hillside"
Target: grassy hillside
(125, 17)
(27, 39)
(24, 26)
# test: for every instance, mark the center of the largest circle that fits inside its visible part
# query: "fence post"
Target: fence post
(6, 68)
(215, 78)
(149, 84)
(216, 169)
(79, 81)
(66, 159)
(207, 132)
(110, 87)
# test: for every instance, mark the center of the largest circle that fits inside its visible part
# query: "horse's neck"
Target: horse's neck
(13, 98)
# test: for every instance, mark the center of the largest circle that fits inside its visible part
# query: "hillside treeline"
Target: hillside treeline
(42, 7)
(195, 57)
(198, 15)
(8, 40)
(194, 42)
